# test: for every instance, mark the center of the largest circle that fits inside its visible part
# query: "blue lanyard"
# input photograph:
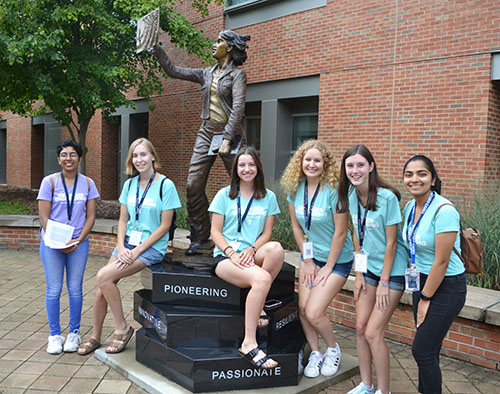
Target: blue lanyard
(361, 225)
(69, 205)
(413, 228)
(308, 211)
(138, 204)
(242, 219)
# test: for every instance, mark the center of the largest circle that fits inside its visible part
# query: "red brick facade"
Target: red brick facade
(403, 77)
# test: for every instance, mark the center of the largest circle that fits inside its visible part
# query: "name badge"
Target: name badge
(360, 262)
(412, 280)
(235, 245)
(135, 238)
(307, 250)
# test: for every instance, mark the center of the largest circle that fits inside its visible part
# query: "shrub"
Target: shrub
(484, 215)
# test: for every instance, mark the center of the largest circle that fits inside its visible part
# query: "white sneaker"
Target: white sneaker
(71, 344)
(313, 365)
(362, 389)
(380, 392)
(331, 361)
(55, 344)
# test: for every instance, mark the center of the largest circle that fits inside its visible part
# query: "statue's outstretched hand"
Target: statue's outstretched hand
(225, 147)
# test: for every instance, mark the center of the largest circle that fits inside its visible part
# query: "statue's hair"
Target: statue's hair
(239, 44)
(294, 174)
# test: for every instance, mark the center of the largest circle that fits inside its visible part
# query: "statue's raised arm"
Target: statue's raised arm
(223, 98)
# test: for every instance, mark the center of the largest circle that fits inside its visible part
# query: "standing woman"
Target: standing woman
(310, 180)
(148, 201)
(69, 198)
(380, 260)
(431, 231)
(242, 223)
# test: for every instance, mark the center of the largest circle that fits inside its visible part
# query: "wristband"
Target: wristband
(254, 249)
(384, 279)
(383, 284)
(227, 247)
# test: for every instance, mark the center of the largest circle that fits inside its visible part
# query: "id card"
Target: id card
(235, 245)
(307, 250)
(412, 280)
(360, 262)
(135, 238)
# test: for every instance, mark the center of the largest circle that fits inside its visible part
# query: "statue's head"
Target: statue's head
(238, 44)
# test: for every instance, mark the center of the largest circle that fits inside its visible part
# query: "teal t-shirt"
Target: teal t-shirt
(388, 213)
(150, 213)
(253, 225)
(322, 225)
(446, 220)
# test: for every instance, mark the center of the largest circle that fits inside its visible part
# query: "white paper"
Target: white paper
(360, 262)
(57, 235)
(307, 250)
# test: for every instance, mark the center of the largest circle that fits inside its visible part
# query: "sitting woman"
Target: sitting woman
(147, 202)
(242, 223)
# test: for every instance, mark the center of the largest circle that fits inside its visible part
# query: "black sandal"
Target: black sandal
(249, 357)
(265, 320)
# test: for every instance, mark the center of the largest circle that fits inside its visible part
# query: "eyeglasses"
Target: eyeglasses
(65, 155)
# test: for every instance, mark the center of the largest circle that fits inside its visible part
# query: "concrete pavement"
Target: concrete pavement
(25, 366)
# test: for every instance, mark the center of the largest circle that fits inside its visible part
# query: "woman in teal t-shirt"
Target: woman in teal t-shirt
(380, 260)
(431, 231)
(310, 181)
(147, 207)
(242, 224)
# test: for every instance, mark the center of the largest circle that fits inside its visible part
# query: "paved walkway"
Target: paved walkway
(25, 366)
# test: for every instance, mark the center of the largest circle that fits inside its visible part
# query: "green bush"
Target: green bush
(484, 215)
(13, 208)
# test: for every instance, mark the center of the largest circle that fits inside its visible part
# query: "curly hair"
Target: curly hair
(294, 174)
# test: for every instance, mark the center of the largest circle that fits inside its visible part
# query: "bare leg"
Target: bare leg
(107, 280)
(99, 311)
(317, 302)
(364, 308)
(375, 336)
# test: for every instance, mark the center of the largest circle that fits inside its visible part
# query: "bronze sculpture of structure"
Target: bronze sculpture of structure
(223, 96)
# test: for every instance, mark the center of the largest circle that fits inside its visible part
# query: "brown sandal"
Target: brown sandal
(120, 342)
(88, 346)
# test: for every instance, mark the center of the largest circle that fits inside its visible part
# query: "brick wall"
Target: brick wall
(29, 237)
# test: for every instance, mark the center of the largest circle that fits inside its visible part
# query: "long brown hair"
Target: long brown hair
(374, 180)
(258, 184)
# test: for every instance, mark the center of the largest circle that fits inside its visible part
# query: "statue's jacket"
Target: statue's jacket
(231, 90)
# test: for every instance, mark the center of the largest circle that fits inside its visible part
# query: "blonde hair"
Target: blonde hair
(129, 166)
(294, 174)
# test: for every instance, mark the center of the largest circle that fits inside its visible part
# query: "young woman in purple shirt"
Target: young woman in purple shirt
(70, 198)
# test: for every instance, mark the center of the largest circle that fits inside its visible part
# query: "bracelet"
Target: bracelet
(227, 247)
(230, 254)
(384, 279)
(383, 284)
(254, 249)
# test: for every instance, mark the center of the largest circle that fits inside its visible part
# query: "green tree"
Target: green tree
(75, 57)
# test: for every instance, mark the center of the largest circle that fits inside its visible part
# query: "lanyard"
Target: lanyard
(69, 205)
(138, 204)
(242, 219)
(413, 228)
(308, 212)
(361, 225)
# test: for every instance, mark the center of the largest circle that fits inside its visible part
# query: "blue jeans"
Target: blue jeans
(54, 261)
(445, 305)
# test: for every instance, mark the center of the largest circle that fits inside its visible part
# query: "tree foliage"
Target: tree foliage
(78, 56)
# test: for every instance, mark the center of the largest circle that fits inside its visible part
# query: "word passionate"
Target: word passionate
(245, 373)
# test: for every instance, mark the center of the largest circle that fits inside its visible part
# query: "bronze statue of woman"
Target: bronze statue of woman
(223, 94)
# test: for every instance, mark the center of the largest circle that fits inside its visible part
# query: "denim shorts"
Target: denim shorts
(341, 269)
(149, 256)
(395, 282)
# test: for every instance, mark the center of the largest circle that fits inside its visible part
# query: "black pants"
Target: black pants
(444, 308)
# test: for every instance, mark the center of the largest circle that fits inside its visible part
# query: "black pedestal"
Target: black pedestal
(193, 324)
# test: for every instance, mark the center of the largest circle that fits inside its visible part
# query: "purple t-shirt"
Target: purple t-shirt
(58, 208)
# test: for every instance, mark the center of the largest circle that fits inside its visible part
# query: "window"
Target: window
(252, 124)
(304, 127)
